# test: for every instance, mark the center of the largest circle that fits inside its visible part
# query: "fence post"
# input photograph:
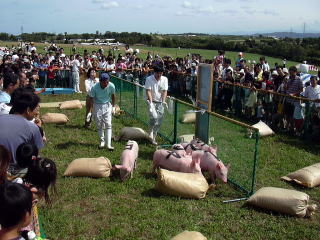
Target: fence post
(175, 125)
(307, 120)
(255, 162)
(135, 102)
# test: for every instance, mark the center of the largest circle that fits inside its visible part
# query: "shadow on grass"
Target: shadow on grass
(308, 146)
(151, 193)
(66, 145)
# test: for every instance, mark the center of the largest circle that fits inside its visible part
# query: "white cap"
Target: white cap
(62, 55)
(31, 235)
(242, 71)
(274, 72)
(285, 70)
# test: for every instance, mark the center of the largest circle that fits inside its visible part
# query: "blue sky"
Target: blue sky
(163, 16)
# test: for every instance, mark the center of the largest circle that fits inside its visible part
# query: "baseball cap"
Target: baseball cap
(285, 70)
(104, 77)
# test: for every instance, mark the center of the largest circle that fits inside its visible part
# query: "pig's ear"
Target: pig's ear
(117, 167)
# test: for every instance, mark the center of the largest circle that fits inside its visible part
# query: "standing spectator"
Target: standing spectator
(89, 83)
(76, 74)
(293, 88)
(102, 96)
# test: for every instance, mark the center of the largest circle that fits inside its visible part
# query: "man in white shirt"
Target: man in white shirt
(76, 74)
(313, 91)
(156, 92)
(89, 83)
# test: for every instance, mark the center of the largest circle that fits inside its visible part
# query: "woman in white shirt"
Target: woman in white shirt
(89, 83)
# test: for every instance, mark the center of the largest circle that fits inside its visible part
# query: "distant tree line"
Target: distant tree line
(299, 50)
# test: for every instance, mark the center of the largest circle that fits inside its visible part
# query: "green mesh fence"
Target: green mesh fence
(230, 136)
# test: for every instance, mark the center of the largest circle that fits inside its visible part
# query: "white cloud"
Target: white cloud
(208, 9)
(187, 4)
(270, 12)
(97, 1)
(111, 4)
(138, 7)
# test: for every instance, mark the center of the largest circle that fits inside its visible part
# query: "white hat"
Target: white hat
(242, 71)
(274, 72)
(240, 54)
(63, 55)
(285, 70)
(137, 50)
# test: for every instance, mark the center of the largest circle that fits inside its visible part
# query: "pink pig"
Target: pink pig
(178, 148)
(200, 144)
(209, 162)
(188, 147)
(174, 162)
(128, 160)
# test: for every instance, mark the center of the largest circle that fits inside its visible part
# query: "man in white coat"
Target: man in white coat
(156, 93)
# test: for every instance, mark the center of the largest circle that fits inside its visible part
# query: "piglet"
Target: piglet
(178, 148)
(174, 162)
(200, 144)
(211, 163)
(128, 160)
(189, 147)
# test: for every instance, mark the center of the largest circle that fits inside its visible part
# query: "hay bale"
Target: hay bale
(308, 176)
(73, 104)
(188, 117)
(132, 133)
(189, 235)
(186, 185)
(264, 129)
(89, 167)
(186, 138)
(281, 200)
(58, 118)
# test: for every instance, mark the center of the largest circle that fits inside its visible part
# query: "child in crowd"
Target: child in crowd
(5, 159)
(15, 209)
(298, 116)
(41, 172)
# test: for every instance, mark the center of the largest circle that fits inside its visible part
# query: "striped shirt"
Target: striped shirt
(294, 86)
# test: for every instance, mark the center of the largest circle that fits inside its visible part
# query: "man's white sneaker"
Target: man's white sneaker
(110, 148)
(102, 145)
(88, 118)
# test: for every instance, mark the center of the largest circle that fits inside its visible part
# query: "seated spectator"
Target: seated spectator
(15, 208)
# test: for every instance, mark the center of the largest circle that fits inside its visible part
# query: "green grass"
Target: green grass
(87, 208)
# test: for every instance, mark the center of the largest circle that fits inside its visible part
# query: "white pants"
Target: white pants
(103, 115)
(155, 123)
(76, 81)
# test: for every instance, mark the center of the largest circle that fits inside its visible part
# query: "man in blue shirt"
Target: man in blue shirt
(102, 95)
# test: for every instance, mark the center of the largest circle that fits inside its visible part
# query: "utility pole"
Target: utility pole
(304, 30)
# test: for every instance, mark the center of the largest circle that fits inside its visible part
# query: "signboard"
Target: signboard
(204, 100)
(204, 86)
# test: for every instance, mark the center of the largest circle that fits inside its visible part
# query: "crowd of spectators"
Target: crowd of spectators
(235, 90)
(25, 176)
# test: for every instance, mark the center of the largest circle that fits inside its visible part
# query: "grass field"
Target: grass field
(87, 208)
